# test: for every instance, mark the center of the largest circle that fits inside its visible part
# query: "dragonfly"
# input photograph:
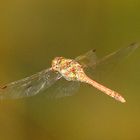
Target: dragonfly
(73, 71)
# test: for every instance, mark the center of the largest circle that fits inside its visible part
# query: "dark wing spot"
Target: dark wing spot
(94, 50)
(132, 44)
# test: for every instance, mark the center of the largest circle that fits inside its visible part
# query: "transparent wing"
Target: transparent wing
(117, 56)
(107, 64)
(97, 67)
(62, 88)
(88, 59)
(29, 86)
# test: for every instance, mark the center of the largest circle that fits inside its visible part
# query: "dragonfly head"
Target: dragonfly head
(56, 63)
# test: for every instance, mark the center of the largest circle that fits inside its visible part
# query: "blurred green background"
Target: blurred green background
(32, 33)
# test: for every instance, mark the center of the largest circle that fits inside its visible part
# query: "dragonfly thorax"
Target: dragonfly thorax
(68, 68)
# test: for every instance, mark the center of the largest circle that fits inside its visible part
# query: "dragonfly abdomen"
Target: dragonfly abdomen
(104, 89)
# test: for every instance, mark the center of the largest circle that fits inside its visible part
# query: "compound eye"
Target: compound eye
(55, 67)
